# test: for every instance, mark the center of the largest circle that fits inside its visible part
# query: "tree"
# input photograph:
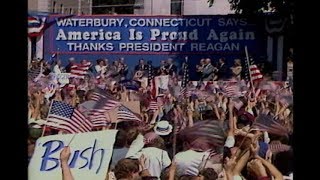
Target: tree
(254, 7)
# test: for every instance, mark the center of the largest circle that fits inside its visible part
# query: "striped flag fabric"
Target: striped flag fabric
(80, 70)
(34, 73)
(276, 147)
(150, 74)
(237, 103)
(254, 71)
(35, 25)
(266, 122)
(125, 114)
(286, 100)
(99, 94)
(153, 105)
(208, 129)
(232, 91)
(185, 80)
(63, 116)
(33, 21)
(98, 115)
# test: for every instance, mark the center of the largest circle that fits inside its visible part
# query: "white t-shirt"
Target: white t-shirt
(157, 160)
(56, 69)
(135, 147)
(188, 162)
(100, 69)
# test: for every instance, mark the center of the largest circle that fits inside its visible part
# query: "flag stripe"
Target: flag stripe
(64, 117)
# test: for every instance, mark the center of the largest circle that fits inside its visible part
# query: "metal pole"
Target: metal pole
(45, 125)
(247, 55)
(79, 7)
(151, 7)
(90, 7)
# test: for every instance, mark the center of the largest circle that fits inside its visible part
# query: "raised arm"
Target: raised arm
(64, 157)
(242, 162)
(272, 169)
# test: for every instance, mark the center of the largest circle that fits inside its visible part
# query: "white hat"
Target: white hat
(163, 128)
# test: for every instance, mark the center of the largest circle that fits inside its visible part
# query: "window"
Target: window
(176, 7)
(61, 8)
(54, 6)
(112, 7)
(70, 11)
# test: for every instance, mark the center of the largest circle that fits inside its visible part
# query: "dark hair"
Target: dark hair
(121, 139)
(208, 115)
(187, 177)
(149, 178)
(283, 162)
(157, 143)
(209, 174)
(99, 60)
(125, 167)
(81, 95)
(226, 153)
(132, 134)
(88, 94)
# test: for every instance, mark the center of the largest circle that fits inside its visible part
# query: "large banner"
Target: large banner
(153, 35)
(90, 155)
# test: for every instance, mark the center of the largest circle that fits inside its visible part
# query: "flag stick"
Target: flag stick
(44, 127)
(71, 139)
(247, 56)
(174, 138)
(242, 141)
(57, 54)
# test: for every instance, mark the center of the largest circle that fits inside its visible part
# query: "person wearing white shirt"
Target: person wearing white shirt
(188, 162)
(158, 159)
(100, 68)
(57, 67)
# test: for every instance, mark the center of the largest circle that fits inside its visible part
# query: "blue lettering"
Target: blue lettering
(50, 163)
(74, 159)
(46, 156)
(92, 156)
(81, 155)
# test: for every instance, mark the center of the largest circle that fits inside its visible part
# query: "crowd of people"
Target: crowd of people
(201, 130)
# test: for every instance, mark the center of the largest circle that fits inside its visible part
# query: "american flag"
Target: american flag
(286, 100)
(35, 25)
(276, 147)
(153, 105)
(185, 80)
(34, 73)
(208, 129)
(99, 94)
(232, 90)
(98, 115)
(254, 72)
(80, 70)
(150, 74)
(63, 116)
(267, 123)
(237, 103)
(125, 114)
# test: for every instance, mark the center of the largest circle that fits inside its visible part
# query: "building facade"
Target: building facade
(61, 6)
(47, 7)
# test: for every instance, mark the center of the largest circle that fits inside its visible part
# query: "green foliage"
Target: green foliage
(253, 7)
